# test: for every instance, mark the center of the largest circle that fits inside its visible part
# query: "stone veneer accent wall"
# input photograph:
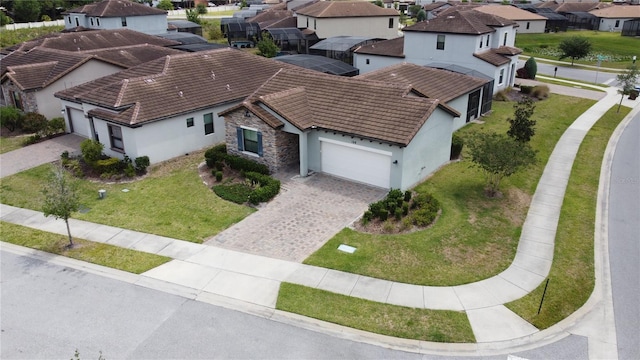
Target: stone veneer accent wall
(279, 148)
(29, 102)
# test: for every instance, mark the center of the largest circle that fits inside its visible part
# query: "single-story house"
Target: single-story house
(528, 22)
(467, 94)
(166, 107)
(117, 14)
(614, 17)
(378, 133)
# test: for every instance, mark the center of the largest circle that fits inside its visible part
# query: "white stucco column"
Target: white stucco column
(304, 161)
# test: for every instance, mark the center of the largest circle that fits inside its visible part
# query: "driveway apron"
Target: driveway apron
(37, 154)
(307, 212)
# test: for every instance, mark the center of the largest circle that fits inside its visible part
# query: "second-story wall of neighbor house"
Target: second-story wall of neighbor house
(424, 48)
(384, 27)
(148, 24)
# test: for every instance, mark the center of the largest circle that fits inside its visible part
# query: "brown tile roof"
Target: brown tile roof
(509, 12)
(618, 12)
(116, 8)
(433, 83)
(493, 57)
(96, 39)
(38, 68)
(129, 56)
(274, 19)
(391, 48)
(461, 22)
(174, 85)
(435, 5)
(568, 7)
(370, 109)
(337, 9)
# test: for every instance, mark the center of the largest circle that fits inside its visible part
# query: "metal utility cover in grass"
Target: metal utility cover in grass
(346, 248)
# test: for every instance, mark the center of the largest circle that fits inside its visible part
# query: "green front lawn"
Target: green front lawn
(619, 49)
(571, 279)
(114, 257)
(171, 201)
(392, 320)
(475, 237)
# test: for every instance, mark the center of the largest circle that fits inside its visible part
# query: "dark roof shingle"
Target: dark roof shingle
(392, 48)
(334, 9)
(461, 22)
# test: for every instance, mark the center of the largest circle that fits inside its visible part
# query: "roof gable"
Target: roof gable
(116, 8)
(618, 12)
(392, 48)
(461, 22)
(509, 12)
(341, 9)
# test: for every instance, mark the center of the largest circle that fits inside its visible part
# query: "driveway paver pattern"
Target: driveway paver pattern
(307, 212)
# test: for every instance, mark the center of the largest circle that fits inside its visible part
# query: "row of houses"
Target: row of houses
(389, 126)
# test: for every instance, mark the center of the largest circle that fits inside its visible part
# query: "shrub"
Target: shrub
(32, 140)
(501, 95)
(108, 166)
(239, 163)
(384, 214)
(531, 67)
(218, 176)
(55, 126)
(73, 165)
(91, 151)
(375, 208)
(64, 155)
(407, 195)
(456, 146)
(540, 92)
(129, 170)
(34, 123)
(423, 217)
(398, 213)
(11, 117)
(142, 163)
(367, 217)
(218, 149)
(237, 193)
(268, 187)
(388, 226)
(405, 209)
(219, 165)
(525, 89)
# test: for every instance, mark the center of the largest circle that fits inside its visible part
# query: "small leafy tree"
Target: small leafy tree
(91, 151)
(243, 4)
(499, 156)
(627, 81)
(165, 5)
(11, 118)
(202, 9)
(531, 67)
(522, 127)
(267, 47)
(193, 15)
(60, 197)
(378, 3)
(414, 9)
(422, 15)
(575, 47)
(4, 19)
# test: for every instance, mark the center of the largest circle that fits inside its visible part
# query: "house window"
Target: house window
(440, 43)
(391, 23)
(307, 23)
(617, 23)
(487, 40)
(17, 100)
(115, 135)
(314, 24)
(208, 123)
(500, 81)
(528, 25)
(91, 21)
(249, 140)
(69, 19)
(481, 40)
(189, 122)
(98, 21)
(505, 39)
(77, 21)
(124, 21)
(367, 61)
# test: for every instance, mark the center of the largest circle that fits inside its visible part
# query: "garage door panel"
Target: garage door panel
(79, 123)
(356, 164)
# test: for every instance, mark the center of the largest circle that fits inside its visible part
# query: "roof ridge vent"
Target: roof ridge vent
(213, 75)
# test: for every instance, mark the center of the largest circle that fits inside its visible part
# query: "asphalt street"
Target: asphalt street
(624, 240)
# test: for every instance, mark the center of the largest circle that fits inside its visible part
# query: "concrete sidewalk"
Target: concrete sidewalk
(211, 271)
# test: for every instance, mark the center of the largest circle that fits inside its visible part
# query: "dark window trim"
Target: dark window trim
(209, 128)
(113, 138)
(440, 44)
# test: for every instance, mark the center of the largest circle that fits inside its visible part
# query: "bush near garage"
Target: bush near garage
(400, 211)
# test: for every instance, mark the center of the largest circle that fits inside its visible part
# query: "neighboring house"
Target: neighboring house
(469, 39)
(578, 14)
(184, 26)
(117, 14)
(555, 22)
(528, 23)
(30, 78)
(166, 107)
(378, 133)
(340, 47)
(349, 18)
(614, 17)
(433, 9)
(469, 95)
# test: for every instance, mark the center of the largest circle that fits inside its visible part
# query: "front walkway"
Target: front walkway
(307, 212)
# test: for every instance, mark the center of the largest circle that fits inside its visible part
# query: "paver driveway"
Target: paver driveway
(307, 212)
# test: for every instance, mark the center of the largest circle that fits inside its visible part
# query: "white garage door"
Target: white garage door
(356, 163)
(79, 124)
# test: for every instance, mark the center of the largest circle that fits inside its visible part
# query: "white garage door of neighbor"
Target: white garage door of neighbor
(357, 163)
(79, 123)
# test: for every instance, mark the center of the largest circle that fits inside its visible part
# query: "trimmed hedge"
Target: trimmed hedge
(237, 193)
(267, 189)
(219, 154)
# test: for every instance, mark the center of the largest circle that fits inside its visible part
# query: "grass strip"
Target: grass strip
(171, 201)
(379, 318)
(571, 279)
(11, 143)
(111, 256)
(475, 237)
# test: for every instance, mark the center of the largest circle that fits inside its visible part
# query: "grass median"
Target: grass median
(571, 279)
(475, 237)
(171, 201)
(392, 320)
(111, 256)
